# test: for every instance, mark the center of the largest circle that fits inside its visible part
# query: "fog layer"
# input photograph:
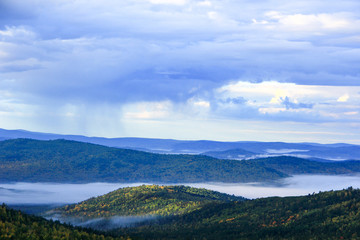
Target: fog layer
(105, 223)
(51, 193)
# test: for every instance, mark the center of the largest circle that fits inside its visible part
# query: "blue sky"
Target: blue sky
(183, 69)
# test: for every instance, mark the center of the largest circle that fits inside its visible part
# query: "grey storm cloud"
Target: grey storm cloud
(77, 56)
(116, 46)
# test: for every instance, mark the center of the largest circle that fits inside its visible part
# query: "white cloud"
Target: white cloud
(200, 103)
(169, 2)
(16, 33)
(271, 110)
(213, 15)
(351, 113)
(274, 90)
(204, 3)
(326, 21)
(276, 98)
(343, 98)
(148, 110)
(321, 23)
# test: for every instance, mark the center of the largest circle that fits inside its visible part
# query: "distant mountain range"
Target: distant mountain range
(223, 150)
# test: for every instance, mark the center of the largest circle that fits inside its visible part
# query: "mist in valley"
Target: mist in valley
(104, 223)
(54, 193)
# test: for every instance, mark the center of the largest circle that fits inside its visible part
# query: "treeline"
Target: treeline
(294, 165)
(17, 225)
(145, 200)
(70, 161)
(327, 215)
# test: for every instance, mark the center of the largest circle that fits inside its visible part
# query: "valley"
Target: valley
(90, 190)
(179, 119)
(197, 214)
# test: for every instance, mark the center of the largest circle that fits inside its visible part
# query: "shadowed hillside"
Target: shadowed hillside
(327, 215)
(70, 161)
(17, 225)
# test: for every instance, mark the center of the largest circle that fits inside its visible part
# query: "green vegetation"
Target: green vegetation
(70, 161)
(294, 165)
(327, 215)
(202, 214)
(146, 200)
(17, 225)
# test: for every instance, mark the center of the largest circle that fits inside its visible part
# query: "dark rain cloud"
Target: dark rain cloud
(94, 53)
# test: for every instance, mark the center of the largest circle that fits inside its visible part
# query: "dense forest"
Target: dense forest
(145, 200)
(17, 225)
(327, 215)
(294, 165)
(70, 161)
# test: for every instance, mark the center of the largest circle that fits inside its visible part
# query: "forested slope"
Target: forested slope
(327, 215)
(146, 200)
(70, 161)
(17, 225)
(295, 165)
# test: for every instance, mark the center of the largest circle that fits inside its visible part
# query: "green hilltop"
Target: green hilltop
(327, 215)
(145, 200)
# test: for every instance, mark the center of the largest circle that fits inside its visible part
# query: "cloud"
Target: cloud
(237, 100)
(316, 23)
(343, 98)
(294, 104)
(278, 101)
(148, 110)
(202, 58)
(170, 2)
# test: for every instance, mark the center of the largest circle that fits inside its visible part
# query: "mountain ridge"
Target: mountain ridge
(71, 161)
(157, 145)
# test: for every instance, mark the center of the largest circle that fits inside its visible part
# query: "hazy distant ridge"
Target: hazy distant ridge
(71, 161)
(338, 151)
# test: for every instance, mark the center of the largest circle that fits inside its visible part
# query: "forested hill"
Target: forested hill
(327, 215)
(70, 161)
(20, 226)
(294, 165)
(145, 200)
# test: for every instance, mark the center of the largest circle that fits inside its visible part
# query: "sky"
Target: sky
(228, 70)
